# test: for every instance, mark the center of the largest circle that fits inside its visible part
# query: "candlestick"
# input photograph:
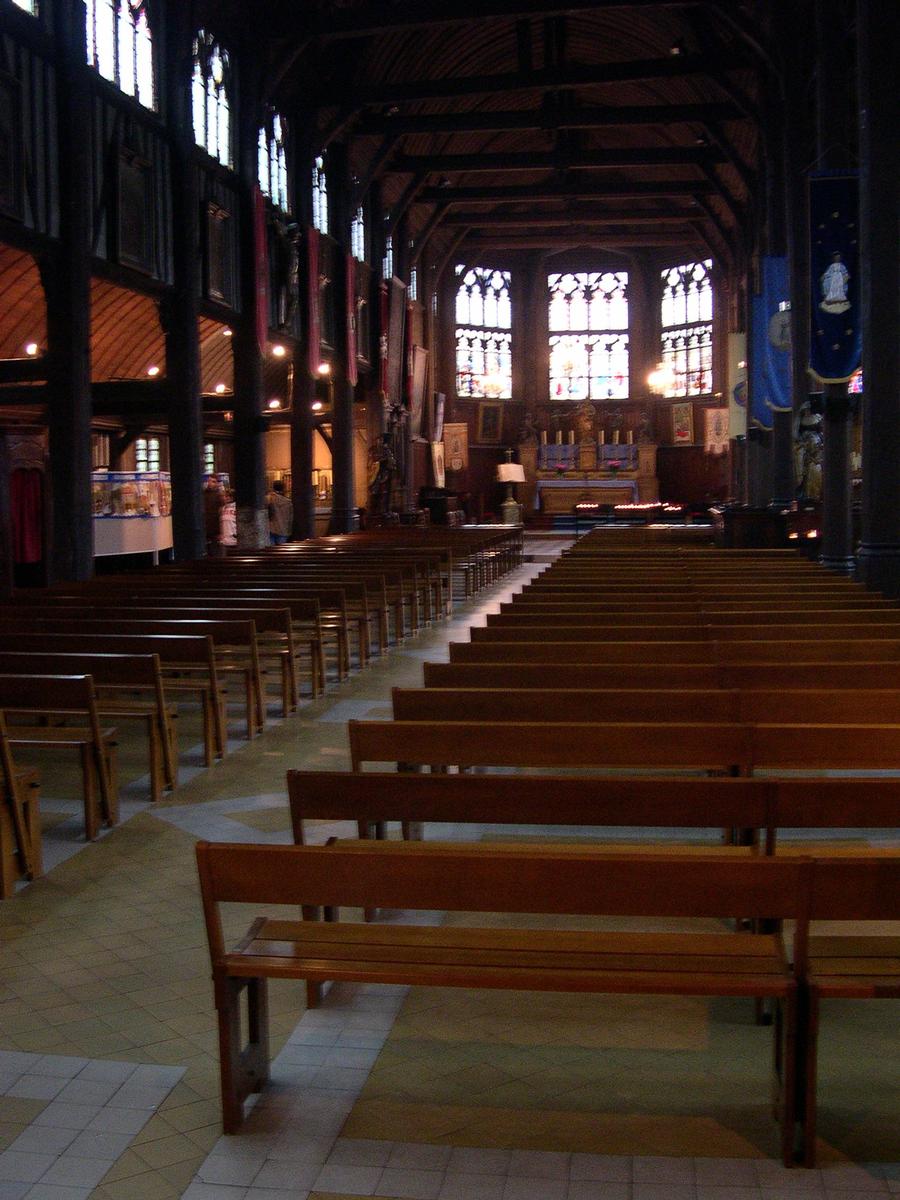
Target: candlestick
(559, 437)
(602, 437)
(629, 437)
(571, 437)
(615, 437)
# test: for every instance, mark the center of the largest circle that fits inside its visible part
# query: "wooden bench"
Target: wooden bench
(700, 651)
(20, 822)
(846, 966)
(46, 696)
(116, 678)
(477, 879)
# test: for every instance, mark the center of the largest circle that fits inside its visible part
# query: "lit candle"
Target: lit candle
(559, 437)
(629, 437)
(602, 437)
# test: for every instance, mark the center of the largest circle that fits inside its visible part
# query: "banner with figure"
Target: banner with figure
(770, 359)
(835, 333)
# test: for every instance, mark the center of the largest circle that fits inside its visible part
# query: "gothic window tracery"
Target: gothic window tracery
(320, 195)
(358, 234)
(120, 45)
(483, 333)
(272, 167)
(687, 313)
(211, 86)
(588, 335)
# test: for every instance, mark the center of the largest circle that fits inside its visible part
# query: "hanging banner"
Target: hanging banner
(383, 338)
(835, 333)
(350, 297)
(261, 261)
(770, 344)
(314, 350)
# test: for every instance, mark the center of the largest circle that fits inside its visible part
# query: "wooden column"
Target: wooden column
(832, 133)
(249, 423)
(343, 515)
(179, 308)
(302, 418)
(879, 556)
(67, 283)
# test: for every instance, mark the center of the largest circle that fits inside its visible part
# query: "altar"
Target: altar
(561, 495)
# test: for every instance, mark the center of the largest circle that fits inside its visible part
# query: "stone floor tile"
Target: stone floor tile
(459, 1185)
(59, 1064)
(60, 1114)
(419, 1156)
(23, 1166)
(360, 1152)
(76, 1172)
(539, 1164)
(39, 1139)
(358, 1181)
(287, 1175)
(725, 1172)
(522, 1188)
(658, 1169)
(614, 1168)
(479, 1161)
(663, 1191)
(37, 1087)
(595, 1189)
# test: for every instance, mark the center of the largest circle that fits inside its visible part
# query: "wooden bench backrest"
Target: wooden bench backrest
(568, 675)
(234, 632)
(837, 804)
(172, 649)
(475, 879)
(50, 693)
(519, 800)
(568, 629)
(121, 670)
(538, 744)
(803, 746)
(855, 890)
(711, 652)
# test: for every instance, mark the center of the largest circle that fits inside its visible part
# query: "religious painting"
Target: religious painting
(490, 422)
(437, 464)
(135, 212)
(10, 147)
(715, 434)
(417, 393)
(456, 446)
(683, 423)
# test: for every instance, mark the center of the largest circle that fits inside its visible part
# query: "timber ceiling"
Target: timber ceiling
(502, 125)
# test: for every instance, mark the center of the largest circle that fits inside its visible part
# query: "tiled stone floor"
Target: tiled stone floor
(105, 959)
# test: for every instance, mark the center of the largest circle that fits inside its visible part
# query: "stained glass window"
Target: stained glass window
(413, 290)
(483, 333)
(211, 85)
(387, 263)
(120, 45)
(30, 6)
(209, 458)
(273, 174)
(320, 195)
(589, 335)
(358, 234)
(687, 312)
(146, 454)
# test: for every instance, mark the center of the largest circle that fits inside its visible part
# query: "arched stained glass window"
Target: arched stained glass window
(687, 312)
(320, 195)
(211, 85)
(120, 46)
(589, 335)
(483, 333)
(272, 169)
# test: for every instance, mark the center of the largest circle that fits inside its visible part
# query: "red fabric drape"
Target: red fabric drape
(27, 509)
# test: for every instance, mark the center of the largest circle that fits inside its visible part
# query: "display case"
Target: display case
(132, 512)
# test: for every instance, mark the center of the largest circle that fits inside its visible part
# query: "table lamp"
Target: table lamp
(510, 473)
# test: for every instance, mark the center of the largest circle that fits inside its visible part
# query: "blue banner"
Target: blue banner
(770, 359)
(835, 333)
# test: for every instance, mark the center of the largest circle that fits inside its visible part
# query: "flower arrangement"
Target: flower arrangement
(613, 465)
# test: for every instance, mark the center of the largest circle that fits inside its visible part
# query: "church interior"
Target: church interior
(449, 518)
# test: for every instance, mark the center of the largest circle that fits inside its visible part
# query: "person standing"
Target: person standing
(281, 514)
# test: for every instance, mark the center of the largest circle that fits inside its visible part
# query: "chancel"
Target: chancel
(448, 467)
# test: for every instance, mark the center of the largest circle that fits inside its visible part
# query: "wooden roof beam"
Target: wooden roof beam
(585, 160)
(569, 190)
(585, 217)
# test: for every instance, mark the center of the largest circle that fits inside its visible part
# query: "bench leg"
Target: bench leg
(808, 1078)
(785, 1046)
(91, 821)
(156, 764)
(243, 1069)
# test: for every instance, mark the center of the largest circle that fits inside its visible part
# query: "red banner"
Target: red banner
(350, 277)
(312, 299)
(261, 257)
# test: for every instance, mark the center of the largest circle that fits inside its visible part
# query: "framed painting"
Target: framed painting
(683, 424)
(456, 446)
(490, 422)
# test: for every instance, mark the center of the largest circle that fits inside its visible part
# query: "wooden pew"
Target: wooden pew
(614, 654)
(847, 966)
(20, 822)
(114, 676)
(178, 653)
(45, 696)
(478, 879)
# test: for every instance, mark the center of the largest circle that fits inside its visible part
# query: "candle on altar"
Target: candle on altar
(543, 437)
(602, 438)
(615, 437)
(571, 437)
(629, 437)
(559, 437)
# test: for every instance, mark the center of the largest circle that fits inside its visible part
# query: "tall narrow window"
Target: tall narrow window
(589, 335)
(387, 263)
(29, 6)
(146, 454)
(358, 234)
(687, 312)
(211, 85)
(412, 292)
(272, 165)
(120, 45)
(320, 196)
(209, 458)
(483, 333)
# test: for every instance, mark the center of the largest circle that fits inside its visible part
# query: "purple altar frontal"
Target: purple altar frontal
(584, 485)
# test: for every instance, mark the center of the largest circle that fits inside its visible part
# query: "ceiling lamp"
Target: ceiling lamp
(279, 351)
(274, 404)
(153, 371)
(227, 332)
(31, 349)
(317, 406)
(324, 368)
(221, 389)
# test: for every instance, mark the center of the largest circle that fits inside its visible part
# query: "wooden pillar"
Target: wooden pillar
(343, 514)
(249, 342)
(179, 308)
(302, 419)
(879, 556)
(67, 283)
(832, 132)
